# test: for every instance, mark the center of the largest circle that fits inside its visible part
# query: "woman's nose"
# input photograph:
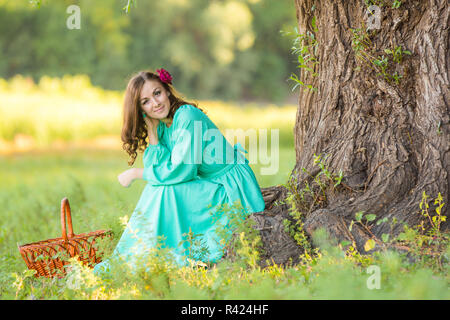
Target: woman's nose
(154, 103)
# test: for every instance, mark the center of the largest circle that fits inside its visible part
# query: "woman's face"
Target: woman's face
(155, 100)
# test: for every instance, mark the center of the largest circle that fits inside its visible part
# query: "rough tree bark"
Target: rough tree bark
(391, 140)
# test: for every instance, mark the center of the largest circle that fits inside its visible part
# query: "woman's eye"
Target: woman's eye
(157, 92)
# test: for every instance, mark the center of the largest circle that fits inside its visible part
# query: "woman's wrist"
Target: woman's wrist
(152, 137)
(138, 173)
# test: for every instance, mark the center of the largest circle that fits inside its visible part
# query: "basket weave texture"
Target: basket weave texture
(48, 257)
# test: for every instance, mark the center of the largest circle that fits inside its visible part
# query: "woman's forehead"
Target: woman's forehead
(148, 87)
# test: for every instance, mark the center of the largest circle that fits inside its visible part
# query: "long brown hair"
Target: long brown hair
(134, 128)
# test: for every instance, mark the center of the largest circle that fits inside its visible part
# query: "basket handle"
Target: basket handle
(65, 212)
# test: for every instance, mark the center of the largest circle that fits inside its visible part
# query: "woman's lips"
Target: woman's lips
(159, 109)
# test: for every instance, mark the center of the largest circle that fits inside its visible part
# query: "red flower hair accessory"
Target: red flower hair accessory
(164, 75)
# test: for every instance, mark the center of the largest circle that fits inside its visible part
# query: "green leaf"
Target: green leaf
(313, 23)
(370, 217)
(345, 243)
(382, 220)
(438, 199)
(385, 237)
(370, 244)
(359, 215)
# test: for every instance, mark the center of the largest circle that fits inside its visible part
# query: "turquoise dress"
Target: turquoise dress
(191, 173)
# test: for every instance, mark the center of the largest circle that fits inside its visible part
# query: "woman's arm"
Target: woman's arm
(128, 176)
(166, 167)
(152, 130)
(162, 167)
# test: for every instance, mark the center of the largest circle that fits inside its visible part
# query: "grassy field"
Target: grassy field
(61, 158)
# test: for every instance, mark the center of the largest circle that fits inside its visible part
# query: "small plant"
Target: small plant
(21, 281)
(362, 45)
(305, 196)
(128, 5)
(320, 162)
(439, 131)
(396, 4)
(305, 47)
(365, 53)
(236, 234)
(197, 248)
(352, 254)
(382, 63)
(364, 220)
(378, 3)
(397, 53)
(426, 243)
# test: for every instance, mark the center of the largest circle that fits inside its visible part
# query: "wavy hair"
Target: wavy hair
(134, 128)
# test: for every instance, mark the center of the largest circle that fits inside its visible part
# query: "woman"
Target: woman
(190, 168)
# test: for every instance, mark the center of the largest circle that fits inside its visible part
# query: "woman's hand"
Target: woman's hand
(127, 177)
(152, 125)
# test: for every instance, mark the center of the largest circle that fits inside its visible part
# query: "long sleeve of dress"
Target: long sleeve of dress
(165, 167)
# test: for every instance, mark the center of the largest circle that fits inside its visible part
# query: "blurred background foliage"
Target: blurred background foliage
(221, 50)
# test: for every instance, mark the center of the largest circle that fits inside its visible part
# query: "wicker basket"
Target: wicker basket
(48, 257)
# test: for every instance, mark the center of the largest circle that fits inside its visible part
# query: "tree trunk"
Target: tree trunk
(391, 140)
